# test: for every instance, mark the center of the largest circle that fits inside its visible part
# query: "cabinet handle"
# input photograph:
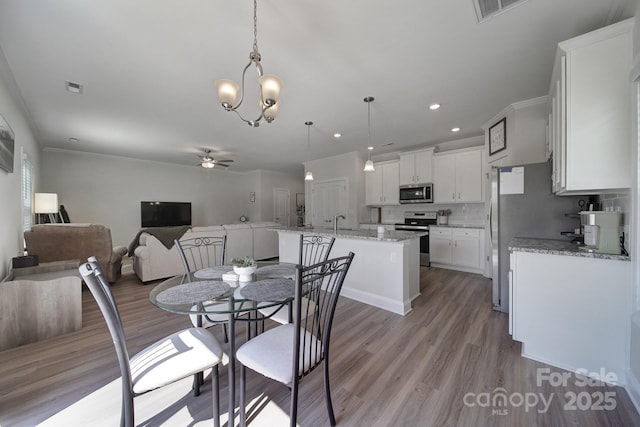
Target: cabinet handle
(453, 196)
(459, 196)
(449, 242)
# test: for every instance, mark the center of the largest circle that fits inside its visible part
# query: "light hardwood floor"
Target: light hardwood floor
(444, 364)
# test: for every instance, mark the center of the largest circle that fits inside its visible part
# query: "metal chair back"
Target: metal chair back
(201, 252)
(314, 248)
(321, 284)
(101, 291)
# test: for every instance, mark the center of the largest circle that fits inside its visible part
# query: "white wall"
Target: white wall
(350, 166)
(13, 111)
(108, 190)
(263, 182)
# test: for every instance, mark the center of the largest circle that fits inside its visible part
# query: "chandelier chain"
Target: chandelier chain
(255, 25)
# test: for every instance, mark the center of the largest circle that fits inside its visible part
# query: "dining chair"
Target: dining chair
(314, 248)
(289, 352)
(170, 359)
(198, 253)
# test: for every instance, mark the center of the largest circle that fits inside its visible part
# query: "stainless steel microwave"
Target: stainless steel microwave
(417, 193)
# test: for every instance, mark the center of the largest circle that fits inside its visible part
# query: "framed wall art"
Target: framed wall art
(7, 142)
(498, 137)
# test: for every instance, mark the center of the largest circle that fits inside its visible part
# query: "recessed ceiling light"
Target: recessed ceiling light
(455, 129)
(73, 87)
(337, 135)
(434, 106)
(369, 148)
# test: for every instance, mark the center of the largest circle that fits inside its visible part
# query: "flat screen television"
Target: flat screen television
(165, 214)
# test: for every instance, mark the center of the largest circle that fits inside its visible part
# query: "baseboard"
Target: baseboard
(458, 268)
(622, 377)
(377, 301)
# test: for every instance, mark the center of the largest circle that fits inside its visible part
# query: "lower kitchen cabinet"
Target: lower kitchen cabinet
(456, 248)
(439, 245)
(572, 312)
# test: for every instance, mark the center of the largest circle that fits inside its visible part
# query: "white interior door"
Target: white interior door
(281, 206)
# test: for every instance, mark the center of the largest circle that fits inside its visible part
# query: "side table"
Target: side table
(40, 302)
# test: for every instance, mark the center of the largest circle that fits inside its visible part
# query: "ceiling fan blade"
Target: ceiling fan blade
(223, 161)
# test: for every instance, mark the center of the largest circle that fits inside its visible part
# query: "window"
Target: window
(27, 193)
(485, 9)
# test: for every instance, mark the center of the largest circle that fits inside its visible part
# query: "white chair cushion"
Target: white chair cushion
(175, 357)
(271, 353)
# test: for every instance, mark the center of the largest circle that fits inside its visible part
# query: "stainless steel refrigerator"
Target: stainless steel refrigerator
(529, 210)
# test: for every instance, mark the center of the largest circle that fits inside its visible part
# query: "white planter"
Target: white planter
(245, 273)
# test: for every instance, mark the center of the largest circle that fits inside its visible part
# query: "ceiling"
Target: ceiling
(148, 69)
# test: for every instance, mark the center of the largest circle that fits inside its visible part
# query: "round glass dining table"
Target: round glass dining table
(216, 293)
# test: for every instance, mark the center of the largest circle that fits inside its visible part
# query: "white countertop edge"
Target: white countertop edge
(387, 236)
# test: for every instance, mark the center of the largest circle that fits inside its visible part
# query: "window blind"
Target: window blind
(27, 194)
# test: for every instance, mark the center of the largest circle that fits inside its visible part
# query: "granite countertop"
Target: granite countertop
(558, 247)
(387, 236)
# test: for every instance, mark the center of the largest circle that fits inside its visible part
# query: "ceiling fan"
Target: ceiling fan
(208, 162)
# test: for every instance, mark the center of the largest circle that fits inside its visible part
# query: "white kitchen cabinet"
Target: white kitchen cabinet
(439, 245)
(465, 250)
(526, 130)
(456, 248)
(329, 199)
(571, 312)
(416, 167)
(457, 176)
(382, 185)
(590, 113)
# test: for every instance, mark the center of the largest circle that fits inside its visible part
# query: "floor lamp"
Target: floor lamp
(46, 203)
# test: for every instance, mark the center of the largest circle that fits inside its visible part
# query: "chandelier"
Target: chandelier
(270, 85)
(368, 165)
(308, 176)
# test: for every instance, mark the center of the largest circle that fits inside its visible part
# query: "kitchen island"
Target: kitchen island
(571, 308)
(385, 271)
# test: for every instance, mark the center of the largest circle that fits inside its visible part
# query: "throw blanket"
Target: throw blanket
(166, 235)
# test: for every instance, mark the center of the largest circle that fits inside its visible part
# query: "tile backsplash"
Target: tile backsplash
(461, 213)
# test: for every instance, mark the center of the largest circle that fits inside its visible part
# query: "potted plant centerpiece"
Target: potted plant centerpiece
(244, 268)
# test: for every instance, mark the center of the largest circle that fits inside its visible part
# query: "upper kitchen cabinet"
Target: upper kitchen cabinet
(416, 167)
(457, 176)
(382, 185)
(525, 133)
(589, 113)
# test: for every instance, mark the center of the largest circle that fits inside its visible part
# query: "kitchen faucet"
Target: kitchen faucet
(335, 222)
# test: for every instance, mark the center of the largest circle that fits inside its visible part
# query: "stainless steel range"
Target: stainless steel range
(419, 221)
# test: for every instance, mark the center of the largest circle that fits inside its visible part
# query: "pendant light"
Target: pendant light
(308, 176)
(368, 165)
(270, 85)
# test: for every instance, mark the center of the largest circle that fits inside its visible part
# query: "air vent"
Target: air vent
(73, 87)
(486, 9)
